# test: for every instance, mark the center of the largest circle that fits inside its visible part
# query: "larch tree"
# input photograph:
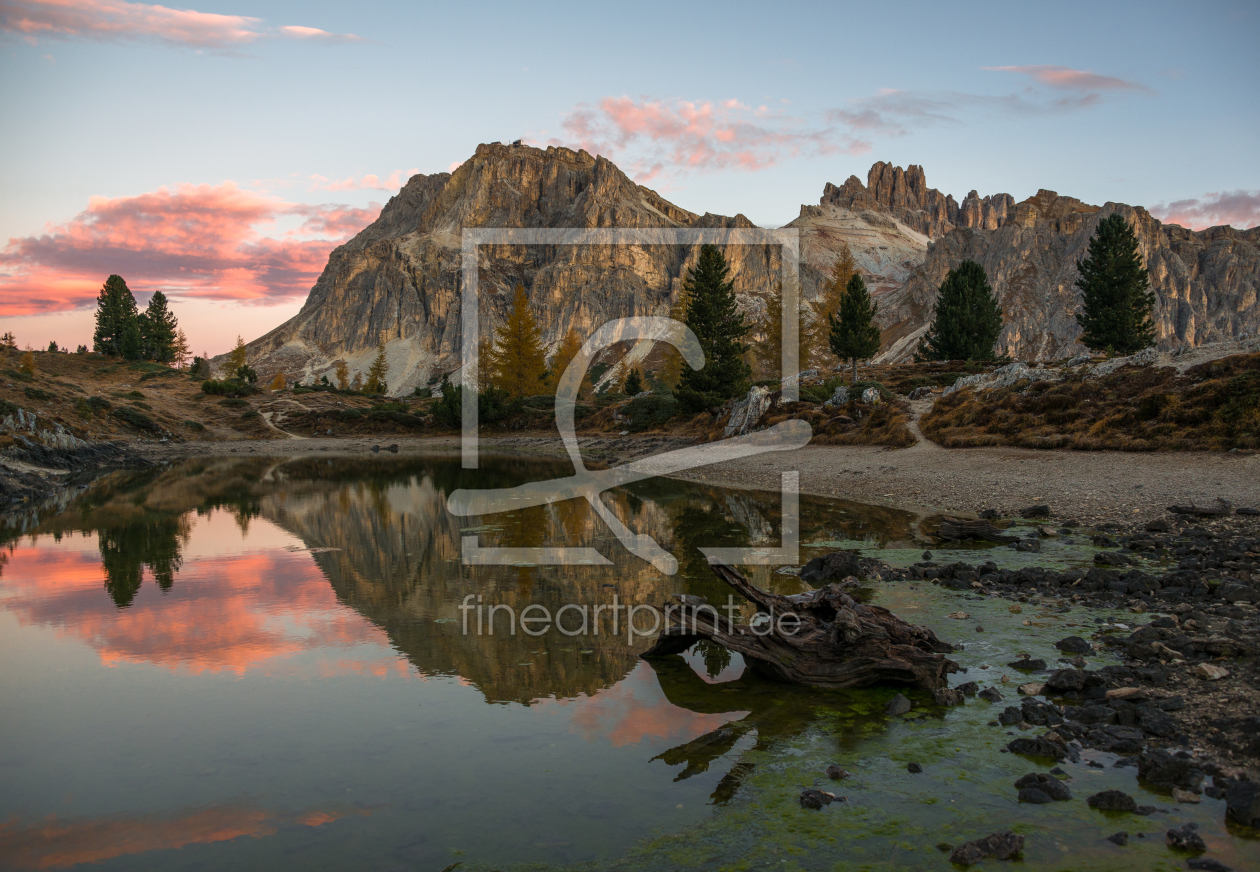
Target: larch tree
(816, 341)
(115, 311)
(1115, 291)
(378, 373)
(854, 334)
(342, 374)
(237, 358)
(517, 363)
(182, 349)
(672, 363)
(714, 318)
(565, 351)
(967, 320)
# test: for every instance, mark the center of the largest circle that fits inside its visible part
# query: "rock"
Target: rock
(839, 398)
(1186, 839)
(376, 449)
(1031, 689)
(1046, 784)
(1034, 795)
(948, 696)
(927, 555)
(1237, 592)
(835, 566)
(870, 396)
(958, 616)
(1002, 846)
(1032, 545)
(1035, 512)
(814, 798)
(1066, 679)
(989, 515)
(1163, 770)
(1159, 525)
(914, 768)
(1037, 747)
(1121, 838)
(393, 448)
(1242, 803)
(1112, 800)
(1028, 664)
(1074, 645)
(1128, 694)
(747, 412)
(898, 705)
(1207, 864)
(992, 694)
(835, 773)
(969, 688)
(920, 393)
(1010, 716)
(1180, 795)
(1210, 671)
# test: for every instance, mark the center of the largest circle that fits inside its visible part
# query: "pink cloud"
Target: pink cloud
(116, 21)
(655, 137)
(370, 182)
(1240, 209)
(202, 241)
(1068, 79)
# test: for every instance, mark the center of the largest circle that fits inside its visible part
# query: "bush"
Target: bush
(99, 404)
(351, 414)
(7, 408)
(492, 406)
(136, 419)
(37, 394)
(195, 426)
(234, 403)
(135, 395)
(650, 411)
(231, 387)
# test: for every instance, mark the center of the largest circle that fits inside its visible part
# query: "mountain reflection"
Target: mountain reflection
(232, 594)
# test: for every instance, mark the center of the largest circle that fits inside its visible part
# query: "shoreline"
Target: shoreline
(1088, 487)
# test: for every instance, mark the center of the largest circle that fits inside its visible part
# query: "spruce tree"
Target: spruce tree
(634, 383)
(854, 334)
(158, 329)
(378, 372)
(717, 323)
(131, 344)
(517, 362)
(1115, 291)
(968, 319)
(115, 309)
(831, 293)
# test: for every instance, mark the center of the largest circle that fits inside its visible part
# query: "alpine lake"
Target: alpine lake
(262, 664)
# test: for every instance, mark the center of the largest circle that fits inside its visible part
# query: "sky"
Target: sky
(218, 153)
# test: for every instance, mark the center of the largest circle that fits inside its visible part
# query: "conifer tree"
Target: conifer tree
(568, 348)
(182, 349)
(672, 361)
(131, 344)
(770, 361)
(158, 327)
(236, 357)
(816, 340)
(377, 373)
(115, 310)
(634, 383)
(1115, 291)
(8, 340)
(967, 320)
(714, 319)
(342, 373)
(517, 362)
(854, 334)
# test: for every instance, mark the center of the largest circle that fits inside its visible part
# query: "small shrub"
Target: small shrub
(99, 404)
(135, 395)
(654, 410)
(7, 408)
(136, 419)
(231, 387)
(195, 426)
(37, 394)
(27, 363)
(234, 403)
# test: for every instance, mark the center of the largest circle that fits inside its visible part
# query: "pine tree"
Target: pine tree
(517, 362)
(131, 344)
(378, 372)
(1115, 291)
(115, 310)
(8, 340)
(182, 350)
(968, 319)
(634, 384)
(712, 315)
(342, 373)
(854, 334)
(158, 327)
(568, 348)
(816, 340)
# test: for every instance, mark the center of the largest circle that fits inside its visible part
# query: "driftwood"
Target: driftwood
(824, 638)
(957, 528)
(1223, 508)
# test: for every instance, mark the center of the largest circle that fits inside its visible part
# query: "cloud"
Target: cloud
(1068, 79)
(370, 182)
(205, 241)
(1239, 209)
(657, 137)
(119, 21)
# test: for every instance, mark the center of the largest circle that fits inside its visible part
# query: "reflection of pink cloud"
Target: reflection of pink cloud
(115, 20)
(195, 240)
(1068, 79)
(660, 136)
(54, 844)
(1239, 209)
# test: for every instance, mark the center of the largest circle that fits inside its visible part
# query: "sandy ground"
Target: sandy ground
(1084, 486)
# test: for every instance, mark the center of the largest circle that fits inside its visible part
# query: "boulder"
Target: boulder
(1002, 846)
(1112, 800)
(1242, 803)
(1046, 784)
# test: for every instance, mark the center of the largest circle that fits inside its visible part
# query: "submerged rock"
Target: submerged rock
(1048, 785)
(1112, 800)
(1002, 846)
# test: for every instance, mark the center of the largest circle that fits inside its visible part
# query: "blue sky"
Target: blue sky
(218, 139)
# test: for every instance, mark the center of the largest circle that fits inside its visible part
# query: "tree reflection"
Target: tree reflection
(154, 542)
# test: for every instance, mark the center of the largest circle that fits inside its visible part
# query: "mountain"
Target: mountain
(398, 281)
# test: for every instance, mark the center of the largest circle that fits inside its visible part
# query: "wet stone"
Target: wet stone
(1074, 645)
(1120, 838)
(1002, 846)
(914, 768)
(898, 705)
(1186, 838)
(835, 773)
(813, 798)
(1048, 785)
(1207, 864)
(1112, 800)
(992, 694)
(1028, 664)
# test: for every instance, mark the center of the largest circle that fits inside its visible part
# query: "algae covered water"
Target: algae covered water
(264, 663)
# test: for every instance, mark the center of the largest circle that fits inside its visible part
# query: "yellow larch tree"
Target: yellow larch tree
(517, 362)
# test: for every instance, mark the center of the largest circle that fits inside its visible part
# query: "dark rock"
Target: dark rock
(968, 689)
(898, 705)
(1159, 525)
(1002, 846)
(1120, 838)
(833, 567)
(1154, 721)
(1037, 747)
(989, 515)
(1207, 864)
(1074, 645)
(1112, 800)
(914, 768)
(376, 449)
(1028, 664)
(1047, 784)
(1066, 679)
(1034, 795)
(1010, 716)
(1236, 591)
(1032, 545)
(393, 448)
(1035, 512)
(927, 555)
(992, 694)
(948, 696)
(979, 629)
(1161, 769)
(813, 798)
(1242, 803)
(1186, 839)
(835, 773)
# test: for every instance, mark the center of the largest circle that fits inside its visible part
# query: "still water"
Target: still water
(262, 664)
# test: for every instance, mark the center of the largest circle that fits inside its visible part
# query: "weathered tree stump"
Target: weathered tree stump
(824, 638)
(958, 528)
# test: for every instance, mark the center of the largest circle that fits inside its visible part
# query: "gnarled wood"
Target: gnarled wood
(824, 638)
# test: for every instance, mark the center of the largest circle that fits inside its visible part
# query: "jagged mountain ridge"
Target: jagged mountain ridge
(398, 281)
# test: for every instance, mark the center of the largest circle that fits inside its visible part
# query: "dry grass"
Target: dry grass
(1212, 407)
(854, 424)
